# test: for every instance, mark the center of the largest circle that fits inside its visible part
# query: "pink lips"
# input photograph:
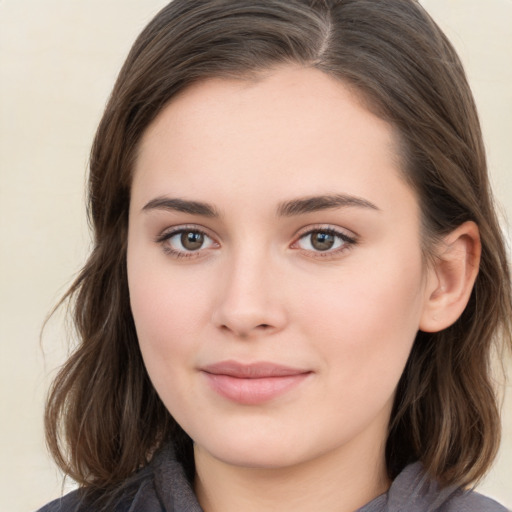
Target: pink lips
(252, 384)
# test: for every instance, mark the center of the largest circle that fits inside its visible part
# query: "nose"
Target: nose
(249, 302)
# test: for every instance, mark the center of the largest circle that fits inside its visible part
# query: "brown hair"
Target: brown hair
(104, 419)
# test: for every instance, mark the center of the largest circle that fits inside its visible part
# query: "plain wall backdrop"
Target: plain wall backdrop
(58, 62)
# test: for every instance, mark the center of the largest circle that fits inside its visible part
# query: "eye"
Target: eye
(324, 240)
(184, 242)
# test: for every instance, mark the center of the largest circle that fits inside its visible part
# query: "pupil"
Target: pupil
(192, 240)
(322, 241)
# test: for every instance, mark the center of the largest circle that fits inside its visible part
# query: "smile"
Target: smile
(254, 383)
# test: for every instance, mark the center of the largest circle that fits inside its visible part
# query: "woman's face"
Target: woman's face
(275, 268)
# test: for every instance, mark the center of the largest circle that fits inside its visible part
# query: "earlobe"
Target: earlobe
(451, 278)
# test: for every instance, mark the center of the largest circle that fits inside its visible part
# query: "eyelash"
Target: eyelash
(167, 235)
(347, 242)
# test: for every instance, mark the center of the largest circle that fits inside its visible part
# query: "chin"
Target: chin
(260, 448)
(262, 457)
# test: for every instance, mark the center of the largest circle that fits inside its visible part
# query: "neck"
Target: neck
(332, 482)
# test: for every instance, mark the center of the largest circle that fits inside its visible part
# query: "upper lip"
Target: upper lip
(256, 370)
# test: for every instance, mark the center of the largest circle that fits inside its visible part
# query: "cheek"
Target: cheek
(168, 308)
(366, 319)
(167, 315)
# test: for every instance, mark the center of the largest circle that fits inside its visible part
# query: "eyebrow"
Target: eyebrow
(324, 202)
(182, 205)
(290, 208)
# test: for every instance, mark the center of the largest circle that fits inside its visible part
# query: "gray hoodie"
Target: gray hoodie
(163, 487)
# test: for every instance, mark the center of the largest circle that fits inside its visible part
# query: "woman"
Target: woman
(298, 276)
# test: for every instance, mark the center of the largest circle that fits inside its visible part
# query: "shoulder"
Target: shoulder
(160, 486)
(68, 503)
(471, 501)
(414, 491)
(139, 497)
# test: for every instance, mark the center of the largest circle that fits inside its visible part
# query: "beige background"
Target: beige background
(58, 61)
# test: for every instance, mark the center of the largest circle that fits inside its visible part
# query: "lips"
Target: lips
(252, 384)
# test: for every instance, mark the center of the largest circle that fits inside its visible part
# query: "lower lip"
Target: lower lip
(253, 391)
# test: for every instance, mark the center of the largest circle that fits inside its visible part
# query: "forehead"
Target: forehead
(291, 125)
(270, 100)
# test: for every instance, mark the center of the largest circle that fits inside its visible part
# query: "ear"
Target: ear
(451, 278)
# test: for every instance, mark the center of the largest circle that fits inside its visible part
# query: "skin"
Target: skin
(259, 290)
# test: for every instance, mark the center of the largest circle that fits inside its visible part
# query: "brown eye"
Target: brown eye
(192, 240)
(186, 242)
(322, 241)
